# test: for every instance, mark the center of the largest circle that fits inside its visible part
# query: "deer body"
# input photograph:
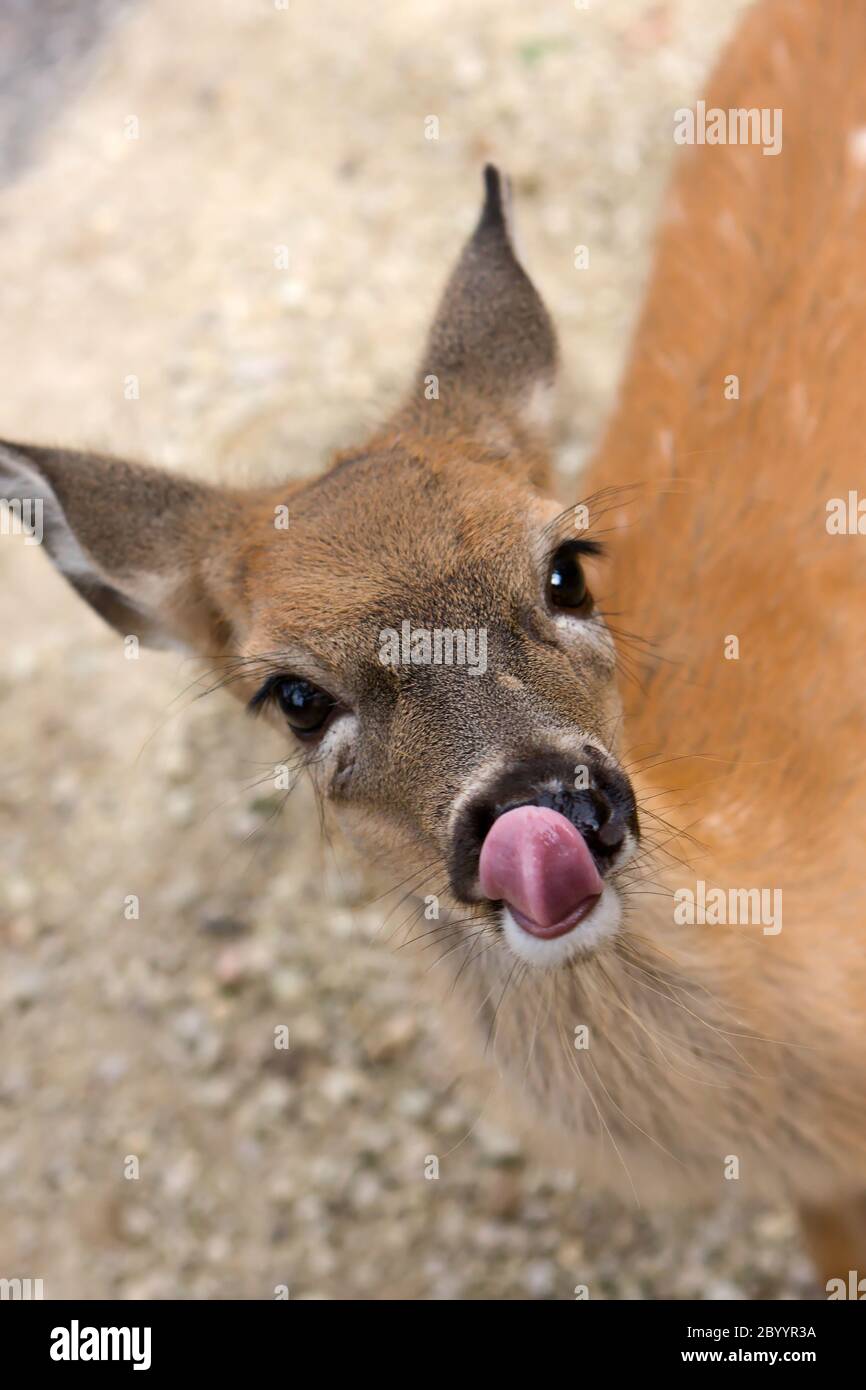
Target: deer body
(726, 1039)
(687, 728)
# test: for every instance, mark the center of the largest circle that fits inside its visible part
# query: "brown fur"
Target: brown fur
(761, 271)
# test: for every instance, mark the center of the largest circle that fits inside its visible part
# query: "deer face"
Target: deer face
(451, 684)
(425, 622)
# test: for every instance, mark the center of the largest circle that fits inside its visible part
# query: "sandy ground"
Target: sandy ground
(153, 1039)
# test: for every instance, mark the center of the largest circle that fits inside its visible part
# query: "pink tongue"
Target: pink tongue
(534, 860)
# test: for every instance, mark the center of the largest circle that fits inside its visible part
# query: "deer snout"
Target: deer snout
(537, 863)
(542, 837)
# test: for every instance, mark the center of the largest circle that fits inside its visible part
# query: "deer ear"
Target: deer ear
(490, 359)
(133, 541)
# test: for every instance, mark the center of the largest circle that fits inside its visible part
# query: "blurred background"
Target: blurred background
(154, 157)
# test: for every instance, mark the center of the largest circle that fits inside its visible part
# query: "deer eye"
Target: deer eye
(566, 584)
(306, 707)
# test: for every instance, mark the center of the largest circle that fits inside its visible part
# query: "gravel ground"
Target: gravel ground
(152, 1039)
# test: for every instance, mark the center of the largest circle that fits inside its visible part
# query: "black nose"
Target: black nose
(592, 811)
(592, 792)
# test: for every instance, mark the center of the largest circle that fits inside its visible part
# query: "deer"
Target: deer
(667, 723)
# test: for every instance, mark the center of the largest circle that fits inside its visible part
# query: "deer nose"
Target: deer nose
(600, 820)
(571, 830)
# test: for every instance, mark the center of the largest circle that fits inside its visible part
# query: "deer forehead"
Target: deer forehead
(371, 549)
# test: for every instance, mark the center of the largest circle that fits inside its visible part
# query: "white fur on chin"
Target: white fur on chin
(601, 924)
